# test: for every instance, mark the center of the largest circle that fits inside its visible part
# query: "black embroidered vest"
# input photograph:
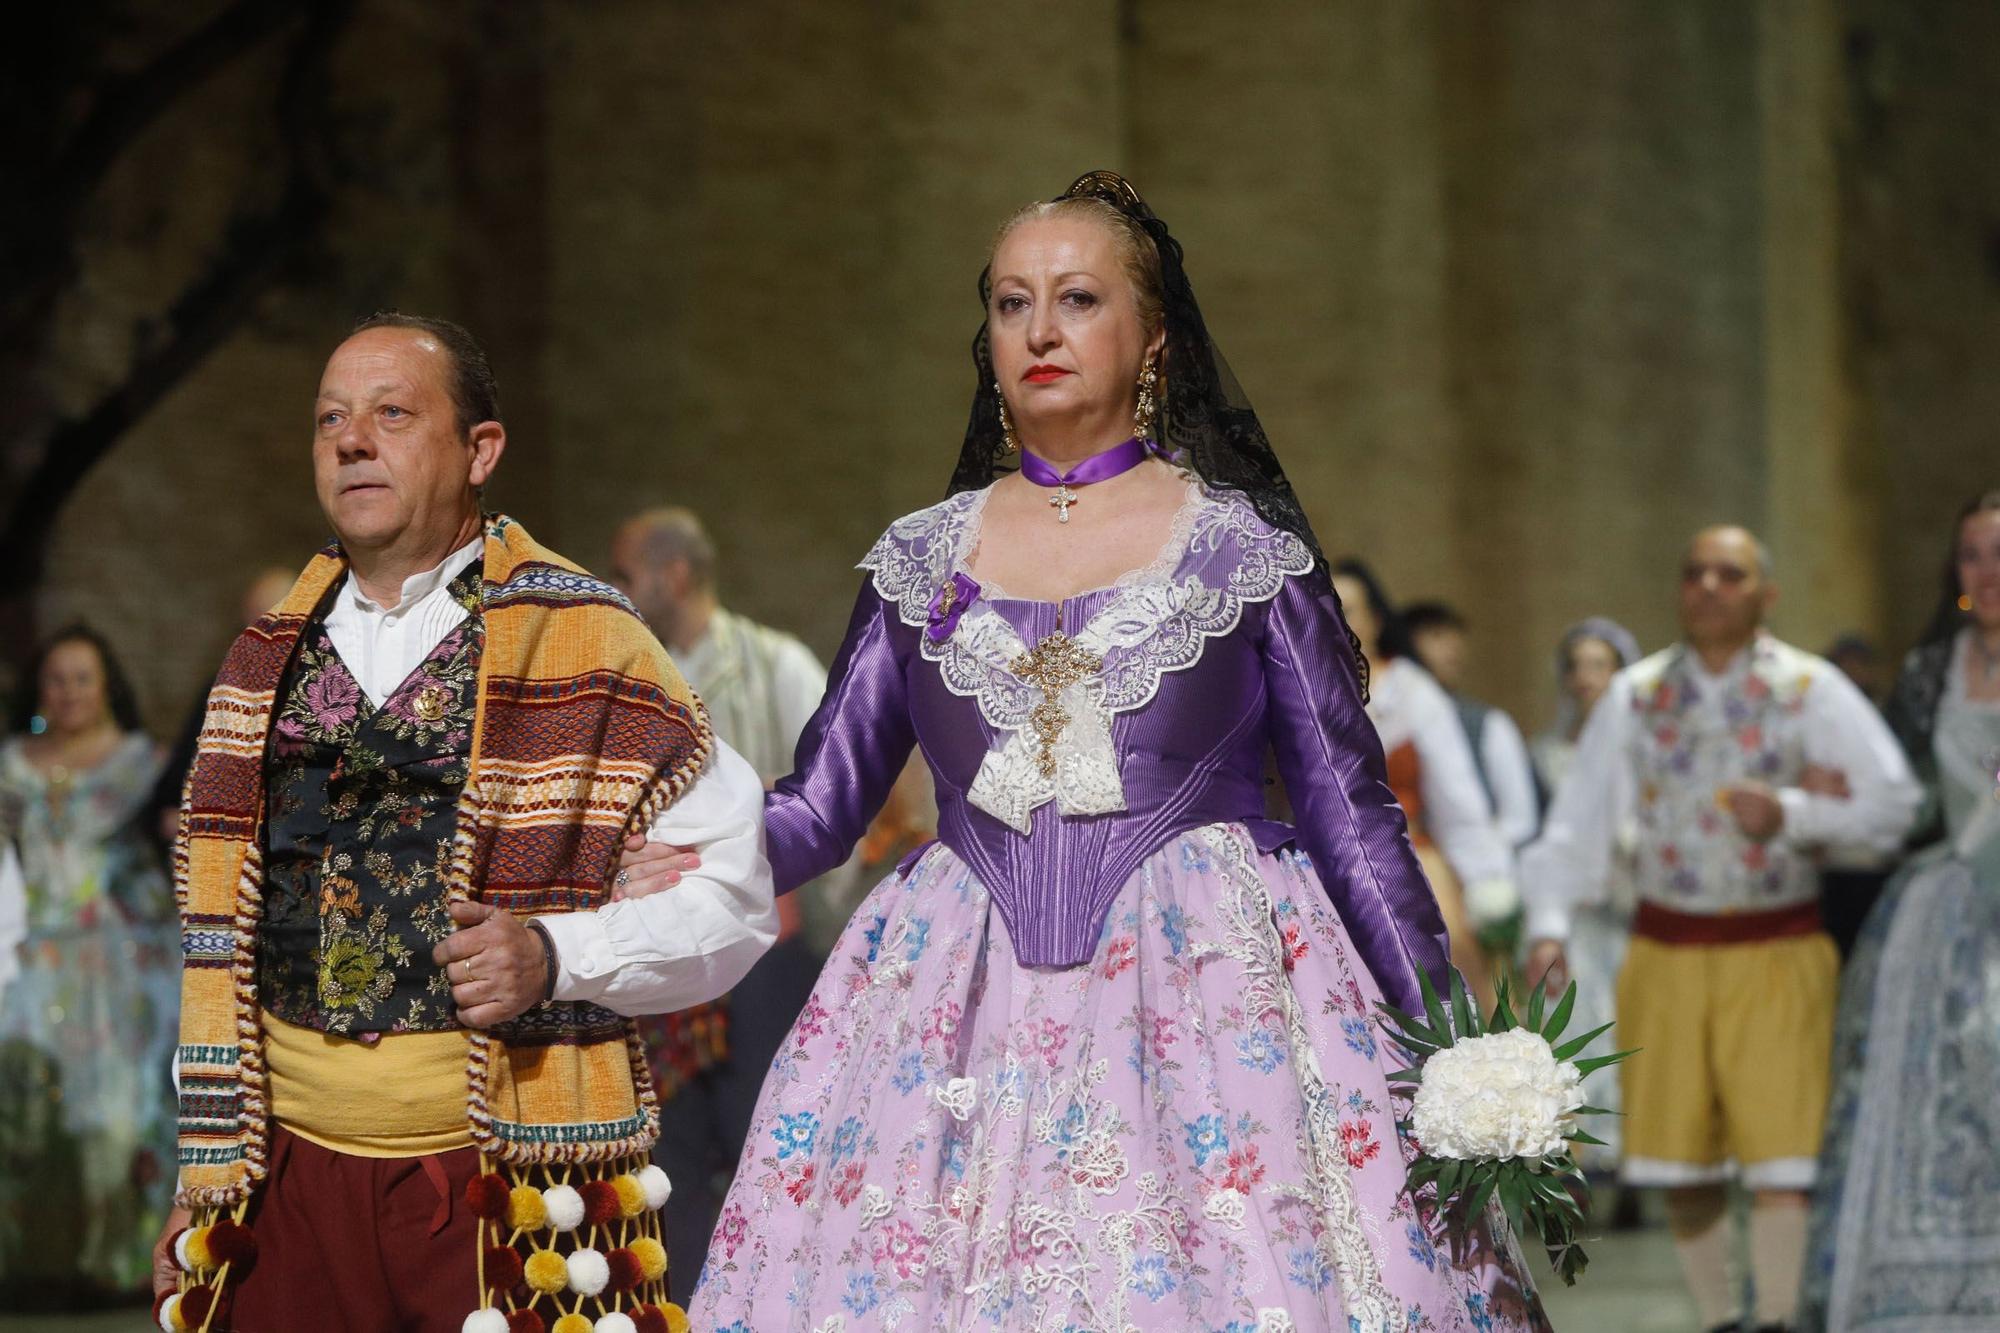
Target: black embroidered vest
(362, 810)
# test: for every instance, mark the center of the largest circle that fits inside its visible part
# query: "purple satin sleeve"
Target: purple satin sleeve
(1349, 822)
(850, 753)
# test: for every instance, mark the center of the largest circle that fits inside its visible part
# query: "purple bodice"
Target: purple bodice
(1171, 689)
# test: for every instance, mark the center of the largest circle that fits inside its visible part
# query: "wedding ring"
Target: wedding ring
(624, 878)
(468, 969)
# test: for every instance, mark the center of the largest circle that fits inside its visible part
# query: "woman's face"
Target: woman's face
(1067, 341)
(1588, 672)
(1979, 566)
(1360, 613)
(73, 695)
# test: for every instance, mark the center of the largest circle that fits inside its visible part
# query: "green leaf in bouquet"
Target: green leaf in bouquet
(1463, 1009)
(1453, 1179)
(1503, 1010)
(1556, 1191)
(1560, 1018)
(1538, 998)
(1434, 1007)
(1514, 1195)
(1597, 1110)
(1597, 1062)
(1402, 1020)
(1584, 1136)
(1476, 1199)
(1569, 1049)
(1407, 1076)
(1410, 1032)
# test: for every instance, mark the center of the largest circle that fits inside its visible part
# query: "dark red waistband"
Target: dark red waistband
(1667, 926)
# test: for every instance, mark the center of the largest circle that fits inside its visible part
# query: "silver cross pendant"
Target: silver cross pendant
(1061, 501)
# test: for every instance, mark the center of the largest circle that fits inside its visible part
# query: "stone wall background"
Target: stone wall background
(1524, 292)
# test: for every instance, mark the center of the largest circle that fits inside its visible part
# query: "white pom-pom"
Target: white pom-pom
(654, 1184)
(167, 1308)
(565, 1207)
(485, 1321)
(616, 1323)
(589, 1272)
(181, 1250)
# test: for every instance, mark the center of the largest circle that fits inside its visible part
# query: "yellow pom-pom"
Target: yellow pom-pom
(631, 1194)
(525, 1209)
(571, 1323)
(547, 1271)
(677, 1318)
(652, 1257)
(199, 1260)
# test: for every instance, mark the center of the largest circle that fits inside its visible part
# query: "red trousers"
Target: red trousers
(359, 1244)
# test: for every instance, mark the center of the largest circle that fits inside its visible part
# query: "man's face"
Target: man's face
(656, 590)
(1442, 649)
(1724, 595)
(392, 467)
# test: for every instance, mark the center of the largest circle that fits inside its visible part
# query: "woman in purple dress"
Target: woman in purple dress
(1104, 1056)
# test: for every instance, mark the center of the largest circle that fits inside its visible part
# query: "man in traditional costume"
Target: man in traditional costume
(1738, 759)
(410, 1097)
(761, 686)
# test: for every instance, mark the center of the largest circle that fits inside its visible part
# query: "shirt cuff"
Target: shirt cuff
(1796, 802)
(1546, 921)
(585, 960)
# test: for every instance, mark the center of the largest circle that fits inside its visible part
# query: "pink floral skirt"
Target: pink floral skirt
(1192, 1132)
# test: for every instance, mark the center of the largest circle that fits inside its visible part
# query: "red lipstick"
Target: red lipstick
(1044, 374)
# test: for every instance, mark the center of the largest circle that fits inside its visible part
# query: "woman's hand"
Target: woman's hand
(650, 867)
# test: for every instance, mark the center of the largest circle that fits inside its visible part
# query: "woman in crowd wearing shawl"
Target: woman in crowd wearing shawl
(1905, 1231)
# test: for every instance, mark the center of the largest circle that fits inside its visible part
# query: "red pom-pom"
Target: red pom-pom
(196, 1304)
(526, 1321)
(232, 1243)
(650, 1319)
(503, 1267)
(600, 1202)
(626, 1270)
(486, 1196)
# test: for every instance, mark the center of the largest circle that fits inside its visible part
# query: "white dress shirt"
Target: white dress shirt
(1503, 757)
(647, 955)
(1570, 864)
(1406, 704)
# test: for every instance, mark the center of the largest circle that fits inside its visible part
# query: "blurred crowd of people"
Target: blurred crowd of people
(89, 966)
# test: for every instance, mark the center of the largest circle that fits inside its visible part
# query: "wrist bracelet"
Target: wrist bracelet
(548, 960)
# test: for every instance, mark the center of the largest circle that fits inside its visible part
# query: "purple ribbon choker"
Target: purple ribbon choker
(1098, 467)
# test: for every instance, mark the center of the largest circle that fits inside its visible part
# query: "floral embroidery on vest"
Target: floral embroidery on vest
(1691, 854)
(362, 816)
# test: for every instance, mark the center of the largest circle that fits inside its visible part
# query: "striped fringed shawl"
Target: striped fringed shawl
(584, 731)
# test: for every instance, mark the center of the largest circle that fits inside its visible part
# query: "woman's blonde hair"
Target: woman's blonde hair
(1137, 255)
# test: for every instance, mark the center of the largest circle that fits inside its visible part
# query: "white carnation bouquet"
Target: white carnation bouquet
(1495, 1112)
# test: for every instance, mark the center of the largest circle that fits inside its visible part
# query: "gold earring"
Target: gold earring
(1012, 445)
(1965, 601)
(1144, 417)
